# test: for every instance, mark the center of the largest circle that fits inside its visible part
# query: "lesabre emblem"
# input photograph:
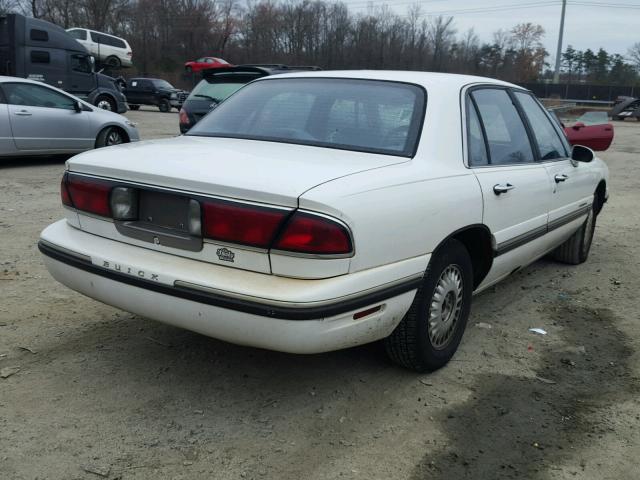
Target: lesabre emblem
(225, 254)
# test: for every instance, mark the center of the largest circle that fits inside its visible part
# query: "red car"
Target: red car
(205, 63)
(591, 130)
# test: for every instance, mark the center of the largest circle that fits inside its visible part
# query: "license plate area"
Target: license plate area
(165, 219)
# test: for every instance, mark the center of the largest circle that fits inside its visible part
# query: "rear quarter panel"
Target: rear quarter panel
(406, 210)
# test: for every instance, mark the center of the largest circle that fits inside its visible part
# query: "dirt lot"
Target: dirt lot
(104, 391)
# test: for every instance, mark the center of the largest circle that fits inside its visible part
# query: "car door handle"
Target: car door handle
(500, 189)
(561, 177)
(23, 113)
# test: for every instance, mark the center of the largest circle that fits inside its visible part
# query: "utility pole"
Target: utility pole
(556, 74)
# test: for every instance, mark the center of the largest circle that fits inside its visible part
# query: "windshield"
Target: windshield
(162, 84)
(217, 89)
(362, 115)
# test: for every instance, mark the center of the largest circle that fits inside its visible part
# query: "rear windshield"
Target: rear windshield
(362, 115)
(217, 89)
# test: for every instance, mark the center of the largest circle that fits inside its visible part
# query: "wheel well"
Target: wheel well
(477, 240)
(599, 197)
(122, 131)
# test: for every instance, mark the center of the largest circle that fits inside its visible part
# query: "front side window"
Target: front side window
(506, 135)
(549, 144)
(362, 115)
(36, 96)
(78, 34)
(81, 63)
(96, 37)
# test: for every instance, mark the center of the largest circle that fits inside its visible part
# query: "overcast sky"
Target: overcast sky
(606, 24)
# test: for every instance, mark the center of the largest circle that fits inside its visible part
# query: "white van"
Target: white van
(109, 50)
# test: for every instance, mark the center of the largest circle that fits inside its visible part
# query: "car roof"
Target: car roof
(429, 80)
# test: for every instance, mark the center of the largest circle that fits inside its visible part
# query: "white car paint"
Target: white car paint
(398, 210)
(38, 130)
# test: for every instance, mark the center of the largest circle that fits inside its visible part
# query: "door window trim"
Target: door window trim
(466, 92)
(561, 136)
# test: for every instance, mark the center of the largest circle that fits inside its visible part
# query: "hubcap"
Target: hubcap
(445, 307)
(114, 138)
(104, 104)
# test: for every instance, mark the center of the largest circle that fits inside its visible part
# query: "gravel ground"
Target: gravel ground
(104, 394)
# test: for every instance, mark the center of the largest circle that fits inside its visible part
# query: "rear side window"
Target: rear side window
(475, 138)
(506, 135)
(39, 57)
(107, 40)
(39, 35)
(549, 144)
(363, 115)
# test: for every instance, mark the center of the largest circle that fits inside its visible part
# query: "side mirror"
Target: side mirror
(578, 126)
(77, 106)
(582, 154)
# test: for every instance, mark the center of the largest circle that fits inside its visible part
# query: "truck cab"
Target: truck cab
(39, 50)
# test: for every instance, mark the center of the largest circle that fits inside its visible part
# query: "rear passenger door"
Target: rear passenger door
(572, 183)
(515, 187)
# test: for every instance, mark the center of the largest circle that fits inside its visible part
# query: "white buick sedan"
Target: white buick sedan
(316, 211)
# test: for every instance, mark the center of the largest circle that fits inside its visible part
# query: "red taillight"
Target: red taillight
(89, 195)
(307, 233)
(183, 118)
(64, 192)
(240, 223)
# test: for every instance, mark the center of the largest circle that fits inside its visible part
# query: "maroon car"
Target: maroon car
(591, 130)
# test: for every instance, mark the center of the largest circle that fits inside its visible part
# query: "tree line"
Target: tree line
(166, 33)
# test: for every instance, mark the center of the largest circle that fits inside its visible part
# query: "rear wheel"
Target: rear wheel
(106, 103)
(164, 105)
(113, 62)
(576, 249)
(429, 334)
(110, 136)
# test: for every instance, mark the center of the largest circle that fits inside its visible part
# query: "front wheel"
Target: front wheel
(429, 334)
(576, 249)
(164, 106)
(110, 136)
(106, 103)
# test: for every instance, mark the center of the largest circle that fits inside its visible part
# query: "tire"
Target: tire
(110, 136)
(113, 62)
(164, 105)
(134, 107)
(423, 345)
(105, 102)
(575, 250)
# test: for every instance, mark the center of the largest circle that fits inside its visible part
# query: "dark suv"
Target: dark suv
(153, 91)
(217, 84)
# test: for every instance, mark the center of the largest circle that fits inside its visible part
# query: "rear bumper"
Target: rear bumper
(287, 324)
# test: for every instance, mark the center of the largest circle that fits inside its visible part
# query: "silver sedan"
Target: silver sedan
(37, 119)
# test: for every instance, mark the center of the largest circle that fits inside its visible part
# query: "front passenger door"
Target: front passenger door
(572, 183)
(515, 188)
